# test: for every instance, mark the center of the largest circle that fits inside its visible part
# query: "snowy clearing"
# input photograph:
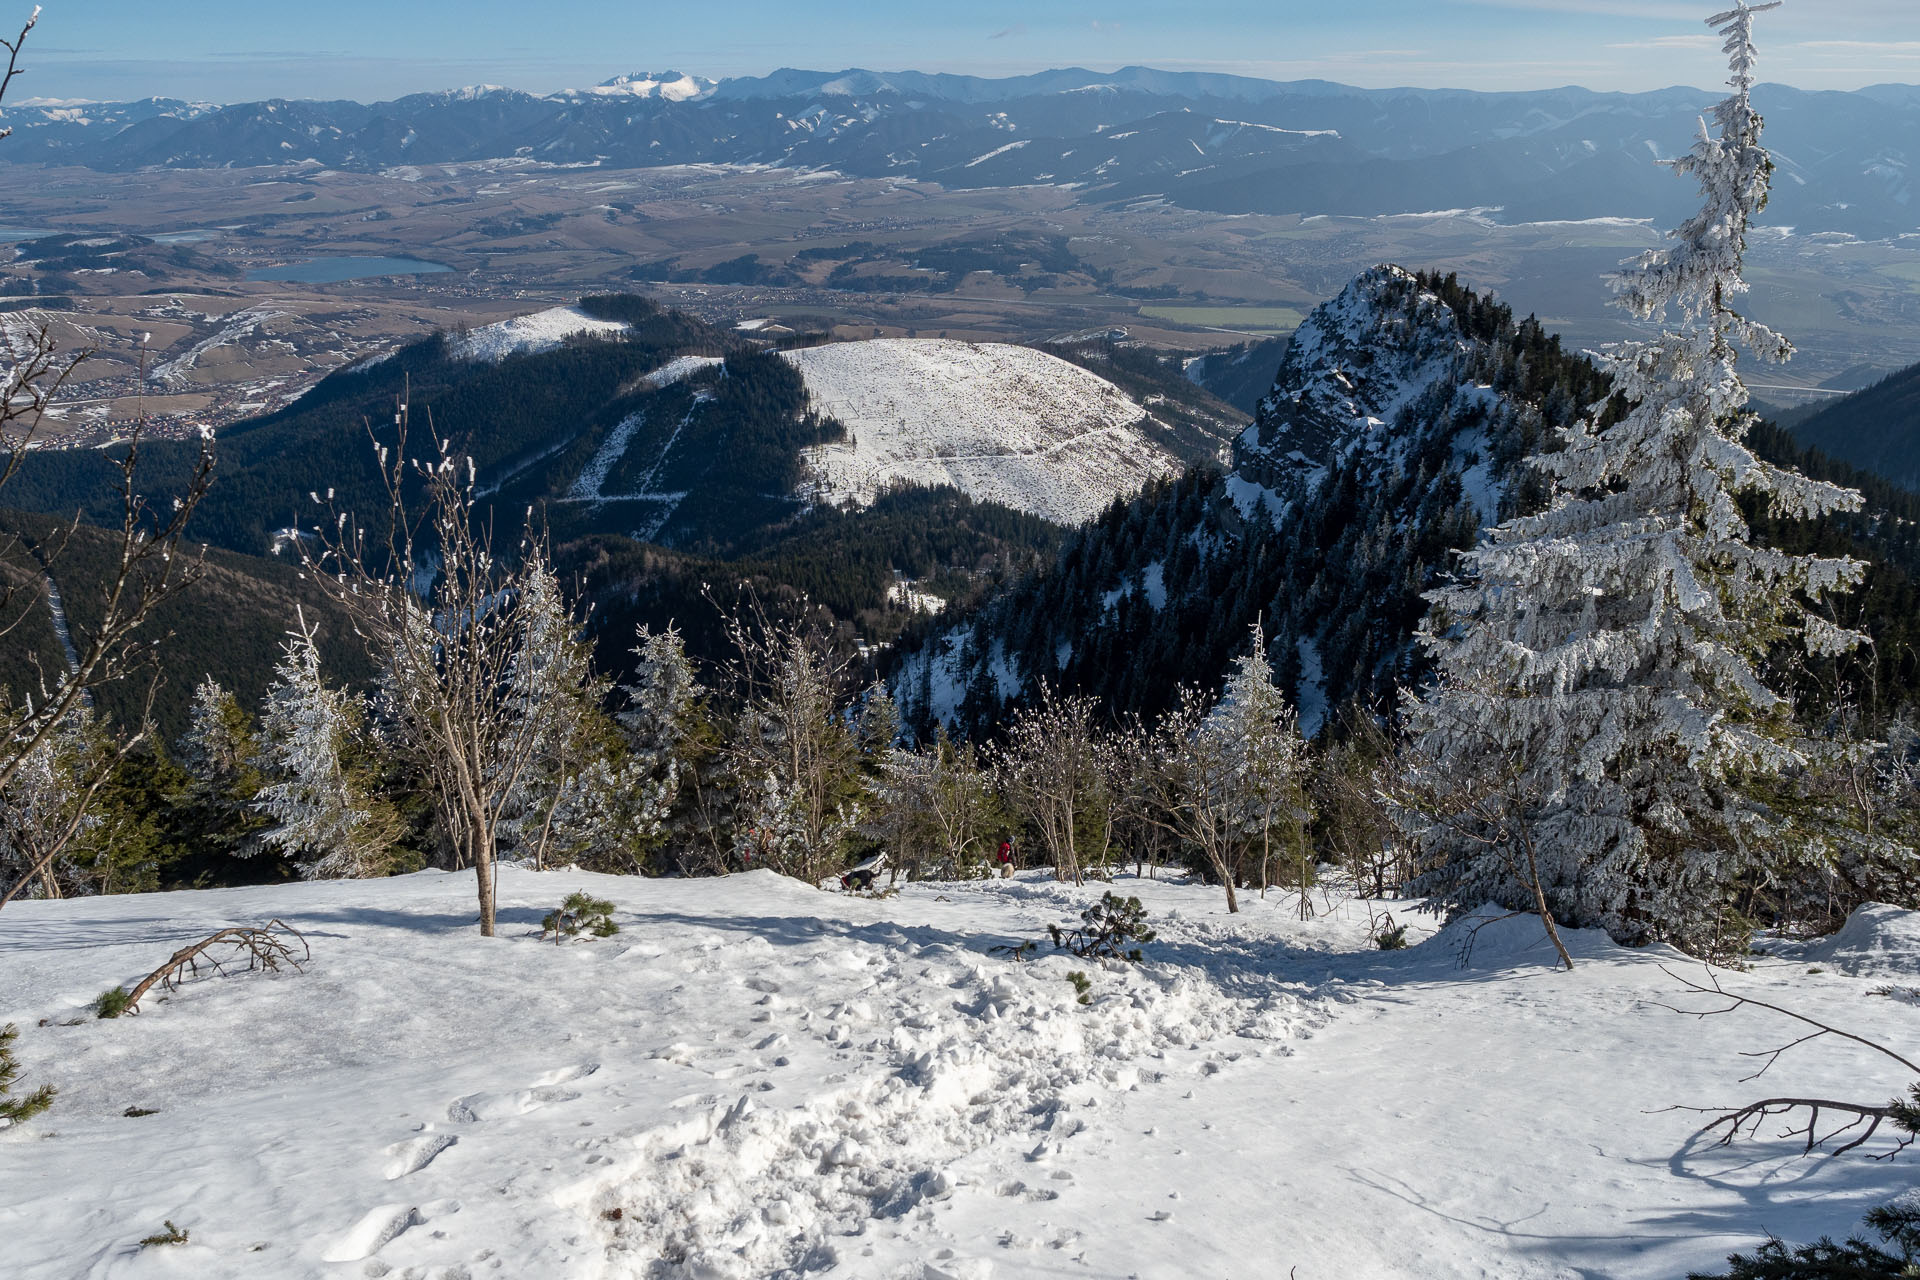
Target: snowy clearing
(679, 369)
(1001, 423)
(758, 1079)
(530, 334)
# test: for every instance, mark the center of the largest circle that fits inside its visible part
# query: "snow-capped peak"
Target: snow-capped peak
(670, 86)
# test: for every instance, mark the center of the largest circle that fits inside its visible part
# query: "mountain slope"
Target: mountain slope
(1393, 435)
(1000, 423)
(1877, 429)
(1382, 447)
(228, 626)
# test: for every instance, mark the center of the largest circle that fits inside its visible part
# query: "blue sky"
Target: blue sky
(235, 50)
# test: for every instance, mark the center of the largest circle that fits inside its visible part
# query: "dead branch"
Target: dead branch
(1713, 988)
(265, 948)
(1863, 1120)
(1750, 1117)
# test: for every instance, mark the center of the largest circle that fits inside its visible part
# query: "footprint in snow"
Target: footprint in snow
(544, 1091)
(377, 1228)
(566, 1075)
(415, 1154)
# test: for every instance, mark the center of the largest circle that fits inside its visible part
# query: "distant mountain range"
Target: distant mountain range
(1229, 144)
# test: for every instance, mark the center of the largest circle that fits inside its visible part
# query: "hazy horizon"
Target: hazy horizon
(233, 51)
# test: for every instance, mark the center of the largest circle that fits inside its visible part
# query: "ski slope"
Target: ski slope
(1001, 423)
(756, 1078)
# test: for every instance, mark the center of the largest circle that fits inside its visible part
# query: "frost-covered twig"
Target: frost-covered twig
(14, 69)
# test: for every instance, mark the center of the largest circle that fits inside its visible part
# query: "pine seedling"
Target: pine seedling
(580, 913)
(1083, 985)
(1105, 928)
(18, 1110)
(1392, 938)
(172, 1235)
(112, 1003)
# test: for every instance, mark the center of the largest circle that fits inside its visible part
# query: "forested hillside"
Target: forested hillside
(1391, 438)
(508, 415)
(1877, 430)
(228, 626)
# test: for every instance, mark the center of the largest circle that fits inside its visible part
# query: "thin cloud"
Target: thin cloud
(1670, 42)
(1678, 12)
(1899, 47)
(1004, 33)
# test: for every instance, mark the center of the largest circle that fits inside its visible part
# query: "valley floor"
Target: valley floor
(757, 1079)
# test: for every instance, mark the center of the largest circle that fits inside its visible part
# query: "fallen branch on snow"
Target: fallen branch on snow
(265, 948)
(1865, 1117)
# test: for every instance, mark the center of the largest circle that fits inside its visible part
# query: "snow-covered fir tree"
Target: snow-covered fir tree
(796, 755)
(1260, 734)
(662, 698)
(1225, 777)
(1600, 734)
(621, 775)
(218, 752)
(46, 810)
(561, 798)
(321, 813)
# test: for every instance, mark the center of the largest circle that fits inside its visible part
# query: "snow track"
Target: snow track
(756, 1080)
(945, 1056)
(751, 1079)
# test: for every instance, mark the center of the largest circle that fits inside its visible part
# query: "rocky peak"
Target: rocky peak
(1354, 365)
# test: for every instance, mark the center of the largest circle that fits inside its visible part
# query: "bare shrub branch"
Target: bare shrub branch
(266, 948)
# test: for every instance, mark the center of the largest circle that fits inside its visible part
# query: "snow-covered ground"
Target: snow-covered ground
(756, 1078)
(530, 334)
(1003, 423)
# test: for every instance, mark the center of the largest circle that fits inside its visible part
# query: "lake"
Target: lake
(336, 270)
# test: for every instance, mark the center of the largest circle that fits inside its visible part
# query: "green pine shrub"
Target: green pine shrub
(580, 913)
(18, 1110)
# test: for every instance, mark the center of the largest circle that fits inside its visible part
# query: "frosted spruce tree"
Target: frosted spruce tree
(552, 691)
(662, 705)
(610, 783)
(219, 755)
(321, 814)
(1262, 735)
(46, 809)
(1600, 738)
(1225, 778)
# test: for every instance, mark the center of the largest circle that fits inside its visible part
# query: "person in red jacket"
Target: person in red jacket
(1006, 858)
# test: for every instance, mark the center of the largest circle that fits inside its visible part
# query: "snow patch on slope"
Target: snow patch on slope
(1877, 939)
(678, 370)
(530, 334)
(1001, 423)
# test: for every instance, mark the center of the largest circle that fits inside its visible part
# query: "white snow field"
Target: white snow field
(530, 334)
(1001, 423)
(755, 1078)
